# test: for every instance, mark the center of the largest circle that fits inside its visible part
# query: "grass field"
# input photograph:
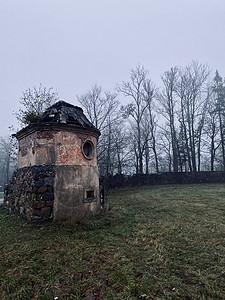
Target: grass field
(158, 242)
(1, 194)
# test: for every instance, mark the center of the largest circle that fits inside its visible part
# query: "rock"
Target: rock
(36, 176)
(39, 204)
(39, 183)
(49, 181)
(33, 197)
(50, 189)
(42, 189)
(49, 203)
(46, 211)
(48, 196)
(36, 212)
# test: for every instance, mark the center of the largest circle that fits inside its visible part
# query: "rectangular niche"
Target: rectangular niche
(90, 195)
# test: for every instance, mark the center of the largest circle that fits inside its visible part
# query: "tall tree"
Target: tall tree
(168, 100)
(123, 160)
(139, 89)
(212, 130)
(219, 93)
(150, 125)
(193, 102)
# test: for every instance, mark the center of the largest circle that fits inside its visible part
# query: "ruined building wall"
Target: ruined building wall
(76, 192)
(55, 179)
(54, 147)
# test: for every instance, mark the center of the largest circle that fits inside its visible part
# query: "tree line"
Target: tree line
(179, 127)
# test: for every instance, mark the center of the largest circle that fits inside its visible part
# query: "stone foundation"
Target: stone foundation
(31, 193)
(43, 193)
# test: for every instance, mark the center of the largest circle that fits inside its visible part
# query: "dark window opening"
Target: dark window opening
(88, 149)
(90, 194)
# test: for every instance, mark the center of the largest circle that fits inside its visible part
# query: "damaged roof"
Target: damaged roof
(63, 112)
(60, 115)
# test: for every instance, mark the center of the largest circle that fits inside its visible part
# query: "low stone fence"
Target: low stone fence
(31, 193)
(163, 178)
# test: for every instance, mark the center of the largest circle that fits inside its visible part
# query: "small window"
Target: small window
(90, 196)
(88, 150)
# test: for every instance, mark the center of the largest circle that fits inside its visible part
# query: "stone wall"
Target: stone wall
(41, 193)
(31, 193)
(163, 178)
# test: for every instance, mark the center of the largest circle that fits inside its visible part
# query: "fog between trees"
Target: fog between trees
(179, 127)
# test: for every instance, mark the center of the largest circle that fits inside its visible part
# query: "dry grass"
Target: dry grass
(161, 242)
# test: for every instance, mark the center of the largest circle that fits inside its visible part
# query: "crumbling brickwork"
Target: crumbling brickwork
(55, 147)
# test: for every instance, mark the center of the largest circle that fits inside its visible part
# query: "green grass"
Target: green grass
(1, 194)
(158, 242)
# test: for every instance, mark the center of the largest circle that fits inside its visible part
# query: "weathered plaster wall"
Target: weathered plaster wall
(56, 179)
(27, 151)
(76, 192)
(54, 147)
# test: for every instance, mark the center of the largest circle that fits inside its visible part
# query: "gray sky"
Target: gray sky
(72, 44)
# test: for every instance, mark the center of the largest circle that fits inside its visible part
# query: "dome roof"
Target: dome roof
(60, 115)
(65, 113)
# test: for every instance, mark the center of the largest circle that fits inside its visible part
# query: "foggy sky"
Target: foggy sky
(72, 44)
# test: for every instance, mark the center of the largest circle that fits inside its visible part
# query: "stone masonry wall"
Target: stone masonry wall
(31, 193)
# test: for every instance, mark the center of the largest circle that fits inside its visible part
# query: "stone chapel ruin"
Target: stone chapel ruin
(57, 176)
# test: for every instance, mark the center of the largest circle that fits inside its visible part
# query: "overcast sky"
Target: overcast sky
(72, 44)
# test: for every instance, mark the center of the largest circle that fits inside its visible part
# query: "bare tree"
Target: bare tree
(193, 96)
(102, 110)
(165, 155)
(34, 102)
(8, 157)
(212, 130)
(169, 102)
(99, 106)
(140, 90)
(219, 94)
(121, 148)
(150, 125)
